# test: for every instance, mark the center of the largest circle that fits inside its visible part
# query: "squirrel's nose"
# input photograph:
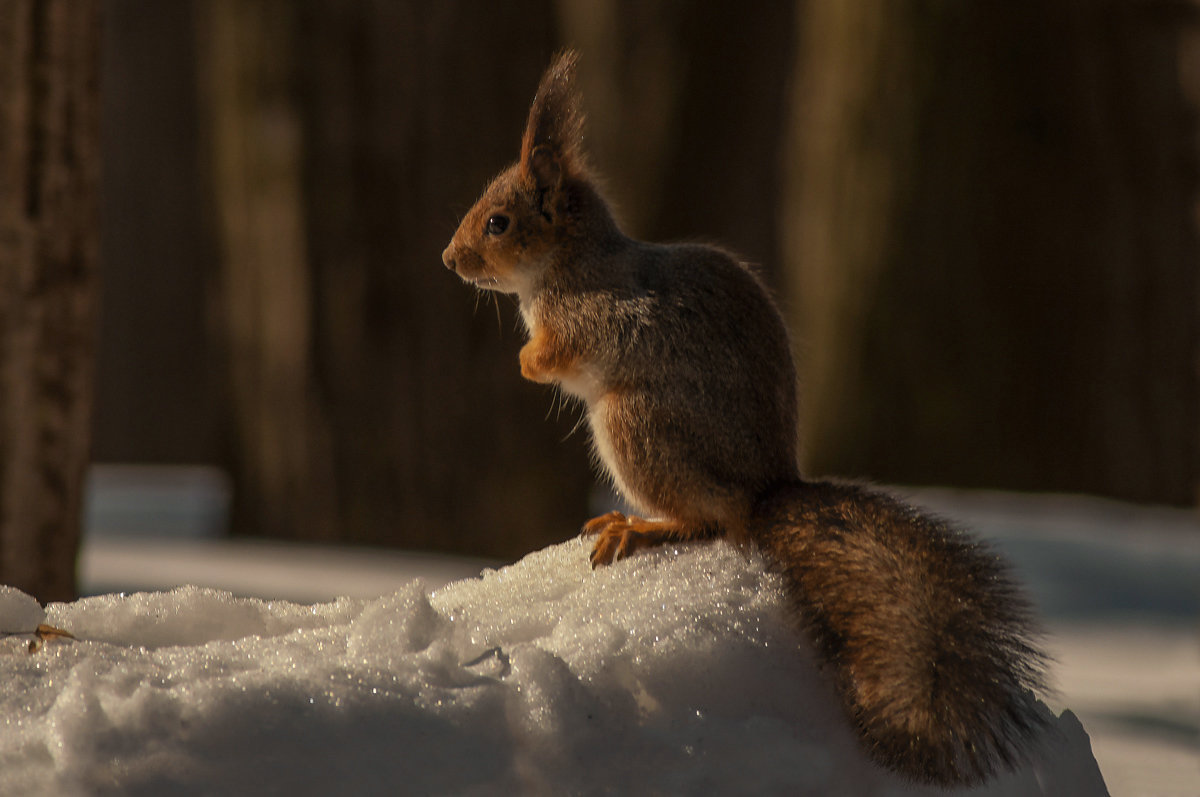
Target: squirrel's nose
(448, 258)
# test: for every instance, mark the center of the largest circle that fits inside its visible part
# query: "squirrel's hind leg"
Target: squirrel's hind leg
(618, 535)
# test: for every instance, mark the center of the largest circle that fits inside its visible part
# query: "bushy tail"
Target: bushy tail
(927, 636)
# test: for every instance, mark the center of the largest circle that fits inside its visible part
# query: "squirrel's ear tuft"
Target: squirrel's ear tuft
(553, 142)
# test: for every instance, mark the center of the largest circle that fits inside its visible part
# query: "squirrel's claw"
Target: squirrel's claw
(612, 537)
(611, 546)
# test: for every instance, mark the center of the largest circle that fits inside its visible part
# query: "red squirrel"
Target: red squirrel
(685, 368)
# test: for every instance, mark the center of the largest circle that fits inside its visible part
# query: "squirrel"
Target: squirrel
(684, 364)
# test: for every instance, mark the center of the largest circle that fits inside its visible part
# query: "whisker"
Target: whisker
(575, 428)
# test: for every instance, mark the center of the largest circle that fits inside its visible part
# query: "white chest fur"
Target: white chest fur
(583, 380)
(598, 420)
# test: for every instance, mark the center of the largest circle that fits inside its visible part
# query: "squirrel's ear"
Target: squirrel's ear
(543, 167)
(553, 142)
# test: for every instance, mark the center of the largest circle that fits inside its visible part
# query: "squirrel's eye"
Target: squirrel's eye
(497, 224)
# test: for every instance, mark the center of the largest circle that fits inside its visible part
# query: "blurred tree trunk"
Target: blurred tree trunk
(152, 404)
(995, 245)
(279, 445)
(373, 401)
(687, 105)
(49, 159)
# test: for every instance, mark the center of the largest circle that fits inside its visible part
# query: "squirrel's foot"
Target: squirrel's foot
(599, 524)
(618, 535)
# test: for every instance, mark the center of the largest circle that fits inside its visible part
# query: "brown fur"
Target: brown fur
(683, 362)
(930, 636)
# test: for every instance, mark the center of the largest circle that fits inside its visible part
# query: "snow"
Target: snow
(673, 672)
(1136, 686)
(259, 568)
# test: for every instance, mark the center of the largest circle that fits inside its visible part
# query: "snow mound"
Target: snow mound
(674, 672)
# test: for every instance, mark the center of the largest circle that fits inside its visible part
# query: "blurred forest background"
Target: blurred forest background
(980, 218)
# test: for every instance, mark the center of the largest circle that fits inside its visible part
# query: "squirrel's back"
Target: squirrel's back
(699, 391)
(927, 635)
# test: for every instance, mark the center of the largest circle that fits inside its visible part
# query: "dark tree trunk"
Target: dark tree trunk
(995, 245)
(278, 440)
(155, 376)
(373, 401)
(49, 122)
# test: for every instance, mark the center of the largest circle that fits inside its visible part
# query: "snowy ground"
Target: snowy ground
(549, 673)
(674, 672)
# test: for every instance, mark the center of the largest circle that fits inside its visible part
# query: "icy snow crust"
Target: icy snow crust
(674, 672)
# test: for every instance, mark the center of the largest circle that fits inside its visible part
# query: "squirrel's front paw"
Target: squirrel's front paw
(531, 368)
(546, 358)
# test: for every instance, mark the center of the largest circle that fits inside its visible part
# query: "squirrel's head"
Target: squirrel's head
(532, 209)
